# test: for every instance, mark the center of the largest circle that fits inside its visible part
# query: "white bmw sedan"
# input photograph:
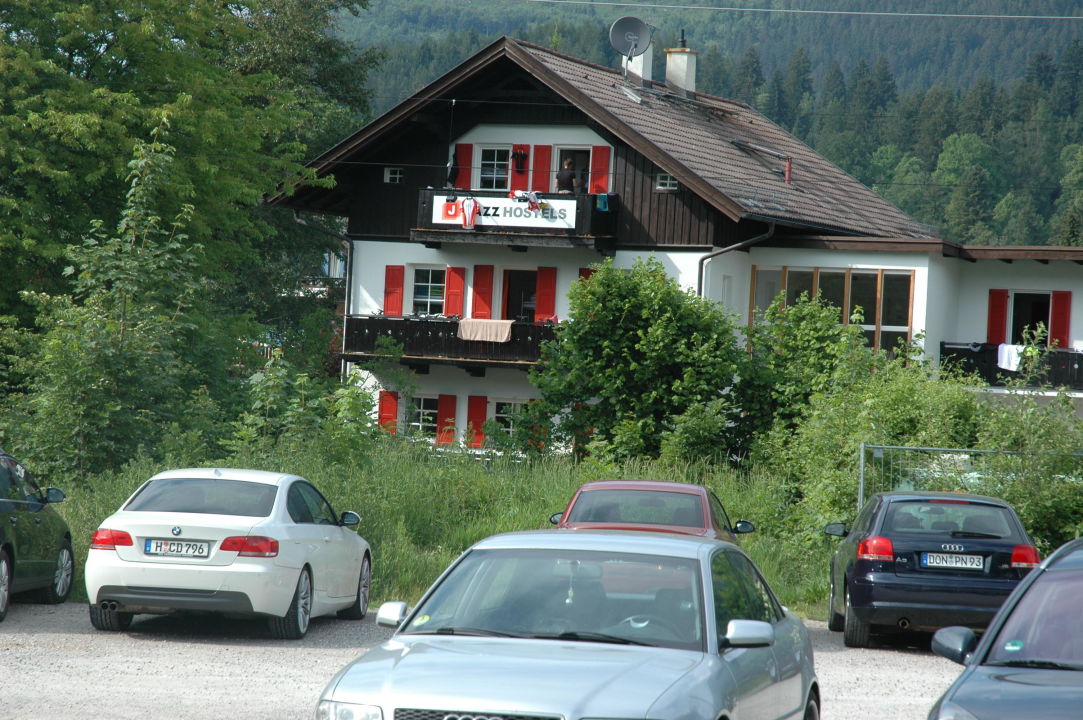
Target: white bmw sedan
(235, 542)
(570, 625)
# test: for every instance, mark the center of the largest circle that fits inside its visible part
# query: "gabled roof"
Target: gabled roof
(724, 151)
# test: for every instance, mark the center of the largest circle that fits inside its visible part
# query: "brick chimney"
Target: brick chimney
(641, 66)
(681, 68)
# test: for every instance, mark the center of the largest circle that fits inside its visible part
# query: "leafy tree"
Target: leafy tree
(111, 369)
(1068, 221)
(1017, 221)
(748, 76)
(638, 352)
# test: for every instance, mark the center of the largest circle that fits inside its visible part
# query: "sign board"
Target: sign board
(498, 212)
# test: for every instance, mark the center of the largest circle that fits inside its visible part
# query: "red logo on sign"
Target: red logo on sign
(451, 211)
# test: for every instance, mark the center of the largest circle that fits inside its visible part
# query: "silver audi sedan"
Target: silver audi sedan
(571, 625)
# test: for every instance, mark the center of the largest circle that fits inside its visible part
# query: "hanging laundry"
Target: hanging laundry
(470, 207)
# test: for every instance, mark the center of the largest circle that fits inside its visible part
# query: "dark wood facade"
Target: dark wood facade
(1060, 369)
(436, 340)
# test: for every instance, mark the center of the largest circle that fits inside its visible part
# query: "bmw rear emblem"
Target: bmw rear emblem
(176, 531)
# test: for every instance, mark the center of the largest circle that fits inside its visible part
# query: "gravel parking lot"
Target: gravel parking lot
(54, 665)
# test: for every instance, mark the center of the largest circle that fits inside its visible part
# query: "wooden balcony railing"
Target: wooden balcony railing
(437, 340)
(1061, 368)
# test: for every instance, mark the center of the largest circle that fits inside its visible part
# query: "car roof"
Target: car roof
(258, 476)
(938, 495)
(628, 541)
(656, 485)
(1068, 556)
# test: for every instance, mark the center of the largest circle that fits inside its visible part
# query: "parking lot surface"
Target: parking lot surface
(53, 664)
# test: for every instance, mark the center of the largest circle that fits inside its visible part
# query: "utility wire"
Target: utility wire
(796, 11)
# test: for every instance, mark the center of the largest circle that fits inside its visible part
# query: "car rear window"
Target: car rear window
(945, 517)
(1044, 625)
(646, 507)
(208, 496)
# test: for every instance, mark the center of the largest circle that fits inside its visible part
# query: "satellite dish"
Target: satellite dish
(630, 36)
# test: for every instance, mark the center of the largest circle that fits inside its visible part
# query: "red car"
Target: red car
(650, 505)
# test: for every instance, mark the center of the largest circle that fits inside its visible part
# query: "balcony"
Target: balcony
(435, 341)
(1062, 368)
(565, 221)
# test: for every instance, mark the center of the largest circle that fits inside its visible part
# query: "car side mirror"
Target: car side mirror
(391, 614)
(555, 517)
(350, 519)
(743, 526)
(955, 643)
(53, 495)
(747, 634)
(836, 529)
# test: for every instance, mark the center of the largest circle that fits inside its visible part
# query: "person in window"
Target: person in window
(567, 181)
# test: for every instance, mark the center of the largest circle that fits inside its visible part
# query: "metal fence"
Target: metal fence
(989, 472)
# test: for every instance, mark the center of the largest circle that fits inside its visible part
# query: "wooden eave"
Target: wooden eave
(867, 244)
(1037, 253)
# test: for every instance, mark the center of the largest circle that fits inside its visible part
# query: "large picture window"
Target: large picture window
(428, 291)
(880, 300)
(494, 169)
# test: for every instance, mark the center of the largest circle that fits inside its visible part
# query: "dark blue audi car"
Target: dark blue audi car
(1029, 663)
(925, 560)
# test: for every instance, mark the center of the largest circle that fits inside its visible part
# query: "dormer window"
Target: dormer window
(393, 175)
(494, 168)
(664, 182)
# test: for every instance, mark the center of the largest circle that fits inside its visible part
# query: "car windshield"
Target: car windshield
(1045, 628)
(639, 507)
(210, 496)
(568, 594)
(956, 518)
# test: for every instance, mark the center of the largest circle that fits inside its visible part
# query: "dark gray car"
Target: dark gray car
(1029, 663)
(35, 542)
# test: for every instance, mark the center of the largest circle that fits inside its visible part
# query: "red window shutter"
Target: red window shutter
(541, 179)
(477, 407)
(445, 419)
(520, 167)
(545, 299)
(454, 287)
(388, 410)
(1060, 317)
(483, 292)
(585, 273)
(394, 278)
(464, 159)
(998, 317)
(599, 169)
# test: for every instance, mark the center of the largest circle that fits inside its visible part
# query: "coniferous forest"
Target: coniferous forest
(968, 115)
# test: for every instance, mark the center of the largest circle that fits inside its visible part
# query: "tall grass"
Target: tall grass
(420, 508)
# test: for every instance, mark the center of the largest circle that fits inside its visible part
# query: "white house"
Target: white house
(462, 248)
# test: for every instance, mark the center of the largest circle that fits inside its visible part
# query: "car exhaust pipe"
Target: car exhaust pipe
(904, 623)
(109, 605)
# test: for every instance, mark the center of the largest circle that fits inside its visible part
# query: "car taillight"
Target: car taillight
(106, 539)
(876, 548)
(1025, 556)
(251, 546)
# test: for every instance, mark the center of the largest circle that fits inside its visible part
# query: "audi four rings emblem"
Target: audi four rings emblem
(176, 531)
(457, 716)
(952, 548)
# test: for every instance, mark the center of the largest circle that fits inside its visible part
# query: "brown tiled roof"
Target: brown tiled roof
(724, 150)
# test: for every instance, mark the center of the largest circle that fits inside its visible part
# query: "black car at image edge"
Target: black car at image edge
(1029, 662)
(35, 542)
(925, 560)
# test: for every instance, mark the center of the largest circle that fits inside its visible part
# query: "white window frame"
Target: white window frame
(393, 175)
(424, 420)
(482, 165)
(504, 418)
(414, 284)
(664, 182)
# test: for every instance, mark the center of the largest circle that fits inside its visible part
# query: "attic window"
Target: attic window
(393, 175)
(664, 182)
(762, 154)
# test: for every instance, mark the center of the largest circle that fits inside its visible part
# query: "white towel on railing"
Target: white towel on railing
(485, 330)
(1008, 356)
